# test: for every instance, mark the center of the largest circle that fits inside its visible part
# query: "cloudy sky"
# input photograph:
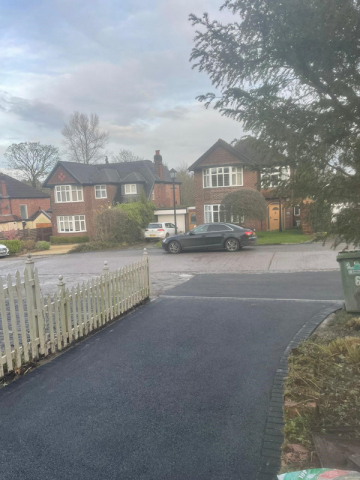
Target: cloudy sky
(126, 60)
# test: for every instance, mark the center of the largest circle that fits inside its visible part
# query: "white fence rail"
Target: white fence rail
(32, 326)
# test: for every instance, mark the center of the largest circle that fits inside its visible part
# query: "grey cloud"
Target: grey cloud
(40, 113)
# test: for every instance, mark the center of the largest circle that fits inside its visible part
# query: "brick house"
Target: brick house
(20, 202)
(79, 191)
(224, 169)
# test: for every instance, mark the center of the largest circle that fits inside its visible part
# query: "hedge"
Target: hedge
(14, 246)
(42, 245)
(65, 240)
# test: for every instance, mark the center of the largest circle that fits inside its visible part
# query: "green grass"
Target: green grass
(286, 236)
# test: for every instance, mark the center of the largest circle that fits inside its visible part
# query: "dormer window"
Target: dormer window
(100, 191)
(130, 189)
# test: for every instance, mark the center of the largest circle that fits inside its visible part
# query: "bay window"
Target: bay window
(68, 193)
(222, 177)
(71, 223)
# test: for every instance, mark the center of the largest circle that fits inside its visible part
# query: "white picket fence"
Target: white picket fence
(33, 326)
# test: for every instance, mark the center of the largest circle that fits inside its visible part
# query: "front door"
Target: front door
(274, 216)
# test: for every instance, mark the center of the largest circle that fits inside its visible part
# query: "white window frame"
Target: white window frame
(281, 173)
(214, 215)
(67, 193)
(131, 187)
(26, 210)
(232, 175)
(209, 213)
(297, 208)
(71, 223)
(100, 189)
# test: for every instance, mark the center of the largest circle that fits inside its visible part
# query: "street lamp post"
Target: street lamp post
(173, 173)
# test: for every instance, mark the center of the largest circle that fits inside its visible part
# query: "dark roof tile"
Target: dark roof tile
(17, 189)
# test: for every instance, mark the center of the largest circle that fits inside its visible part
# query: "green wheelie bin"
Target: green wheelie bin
(350, 275)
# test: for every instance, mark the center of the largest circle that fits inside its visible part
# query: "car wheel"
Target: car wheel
(174, 247)
(232, 245)
(167, 235)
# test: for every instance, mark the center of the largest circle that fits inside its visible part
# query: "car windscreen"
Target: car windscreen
(154, 225)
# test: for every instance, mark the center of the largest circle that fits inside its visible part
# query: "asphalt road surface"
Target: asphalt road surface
(167, 270)
(179, 389)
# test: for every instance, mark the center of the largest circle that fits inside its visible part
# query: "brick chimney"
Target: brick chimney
(3, 188)
(158, 164)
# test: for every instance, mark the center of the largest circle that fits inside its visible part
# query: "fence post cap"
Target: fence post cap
(60, 280)
(106, 266)
(145, 252)
(29, 258)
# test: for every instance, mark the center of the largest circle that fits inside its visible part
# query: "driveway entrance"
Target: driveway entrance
(179, 389)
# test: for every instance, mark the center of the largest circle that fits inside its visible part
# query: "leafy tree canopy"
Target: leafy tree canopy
(243, 205)
(289, 71)
(141, 212)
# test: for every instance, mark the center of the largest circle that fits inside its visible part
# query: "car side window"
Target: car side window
(200, 229)
(218, 228)
(168, 225)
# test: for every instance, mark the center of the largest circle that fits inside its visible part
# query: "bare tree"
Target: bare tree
(32, 160)
(126, 156)
(83, 138)
(186, 178)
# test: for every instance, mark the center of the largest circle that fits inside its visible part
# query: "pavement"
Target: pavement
(178, 389)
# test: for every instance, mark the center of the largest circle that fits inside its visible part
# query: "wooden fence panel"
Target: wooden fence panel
(32, 324)
(15, 336)
(20, 299)
(5, 327)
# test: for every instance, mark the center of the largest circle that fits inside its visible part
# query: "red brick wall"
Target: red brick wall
(214, 196)
(89, 207)
(164, 195)
(33, 205)
(5, 206)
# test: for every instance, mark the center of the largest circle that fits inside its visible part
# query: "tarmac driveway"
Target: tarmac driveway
(179, 389)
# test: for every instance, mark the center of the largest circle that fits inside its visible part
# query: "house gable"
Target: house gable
(60, 176)
(221, 153)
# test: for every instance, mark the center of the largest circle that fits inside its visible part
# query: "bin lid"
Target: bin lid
(351, 255)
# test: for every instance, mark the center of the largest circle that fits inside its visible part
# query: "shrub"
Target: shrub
(93, 246)
(141, 212)
(242, 206)
(42, 245)
(14, 246)
(27, 244)
(10, 234)
(114, 226)
(65, 240)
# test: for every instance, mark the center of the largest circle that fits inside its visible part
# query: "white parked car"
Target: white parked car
(159, 230)
(4, 251)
